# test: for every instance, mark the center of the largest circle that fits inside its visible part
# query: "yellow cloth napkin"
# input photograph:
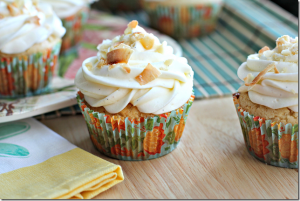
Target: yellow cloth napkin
(72, 174)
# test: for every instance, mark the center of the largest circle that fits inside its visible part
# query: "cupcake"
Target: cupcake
(183, 18)
(73, 15)
(118, 5)
(30, 41)
(135, 96)
(267, 104)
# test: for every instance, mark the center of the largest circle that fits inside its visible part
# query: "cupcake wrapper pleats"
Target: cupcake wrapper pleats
(27, 75)
(274, 143)
(135, 139)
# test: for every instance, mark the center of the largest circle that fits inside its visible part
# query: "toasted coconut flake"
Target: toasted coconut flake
(249, 78)
(160, 49)
(136, 36)
(38, 9)
(89, 66)
(101, 63)
(147, 42)
(263, 49)
(137, 33)
(34, 19)
(11, 9)
(126, 69)
(281, 41)
(276, 70)
(286, 38)
(1, 16)
(111, 66)
(149, 74)
(294, 52)
(168, 62)
(133, 24)
(261, 74)
(119, 56)
(279, 48)
(117, 44)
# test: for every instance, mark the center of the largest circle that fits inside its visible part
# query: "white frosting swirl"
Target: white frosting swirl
(25, 24)
(112, 87)
(66, 8)
(275, 90)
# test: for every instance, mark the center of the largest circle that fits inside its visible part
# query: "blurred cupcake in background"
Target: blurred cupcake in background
(183, 18)
(74, 14)
(118, 5)
(30, 40)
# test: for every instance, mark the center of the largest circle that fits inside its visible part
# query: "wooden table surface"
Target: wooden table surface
(211, 161)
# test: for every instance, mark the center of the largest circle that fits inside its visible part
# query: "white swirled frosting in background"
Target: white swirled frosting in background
(67, 8)
(23, 24)
(112, 87)
(275, 90)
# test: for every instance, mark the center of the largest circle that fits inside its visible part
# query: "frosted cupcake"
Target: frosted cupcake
(30, 39)
(135, 96)
(183, 18)
(267, 104)
(74, 14)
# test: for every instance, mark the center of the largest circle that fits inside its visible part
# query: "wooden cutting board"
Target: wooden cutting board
(211, 161)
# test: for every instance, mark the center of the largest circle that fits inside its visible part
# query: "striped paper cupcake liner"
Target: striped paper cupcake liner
(27, 75)
(74, 30)
(274, 143)
(135, 139)
(183, 21)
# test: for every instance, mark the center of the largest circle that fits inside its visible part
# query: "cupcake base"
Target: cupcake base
(284, 115)
(135, 139)
(28, 73)
(274, 143)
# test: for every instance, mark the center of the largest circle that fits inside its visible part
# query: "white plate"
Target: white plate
(63, 95)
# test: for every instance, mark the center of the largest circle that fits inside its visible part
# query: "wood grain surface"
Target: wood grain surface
(211, 161)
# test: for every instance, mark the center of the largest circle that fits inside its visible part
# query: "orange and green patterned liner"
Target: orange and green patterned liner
(135, 139)
(274, 143)
(74, 30)
(183, 21)
(27, 75)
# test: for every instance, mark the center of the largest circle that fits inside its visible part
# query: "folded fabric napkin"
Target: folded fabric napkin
(37, 163)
